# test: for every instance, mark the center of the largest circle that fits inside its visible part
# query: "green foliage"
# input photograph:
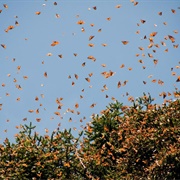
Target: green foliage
(39, 157)
(137, 142)
(142, 143)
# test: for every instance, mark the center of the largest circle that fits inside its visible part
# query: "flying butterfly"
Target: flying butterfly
(171, 38)
(60, 56)
(57, 113)
(125, 42)
(45, 74)
(91, 45)
(5, 6)
(178, 79)
(38, 13)
(87, 79)
(143, 21)
(54, 43)
(153, 34)
(118, 6)
(119, 84)
(173, 11)
(136, 3)
(91, 37)
(3, 45)
(108, 18)
(80, 22)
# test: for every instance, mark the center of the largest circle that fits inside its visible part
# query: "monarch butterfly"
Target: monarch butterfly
(122, 66)
(31, 111)
(160, 82)
(105, 87)
(103, 44)
(3, 45)
(9, 28)
(125, 42)
(103, 65)
(60, 55)
(54, 43)
(90, 74)
(45, 74)
(38, 13)
(155, 61)
(73, 83)
(178, 79)
(76, 105)
(57, 113)
(16, 23)
(173, 11)
(141, 48)
(57, 15)
(143, 21)
(153, 34)
(80, 22)
(25, 77)
(87, 79)
(37, 111)
(49, 54)
(175, 46)
(166, 50)
(93, 105)
(38, 119)
(136, 3)
(82, 29)
(109, 18)
(150, 45)
(91, 37)
(171, 38)
(91, 45)
(5, 6)
(140, 61)
(150, 55)
(76, 76)
(99, 30)
(119, 84)
(92, 58)
(83, 64)
(118, 6)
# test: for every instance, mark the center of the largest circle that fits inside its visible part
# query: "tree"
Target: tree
(39, 157)
(136, 142)
(141, 141)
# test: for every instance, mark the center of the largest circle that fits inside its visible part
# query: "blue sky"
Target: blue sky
(30, 42)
